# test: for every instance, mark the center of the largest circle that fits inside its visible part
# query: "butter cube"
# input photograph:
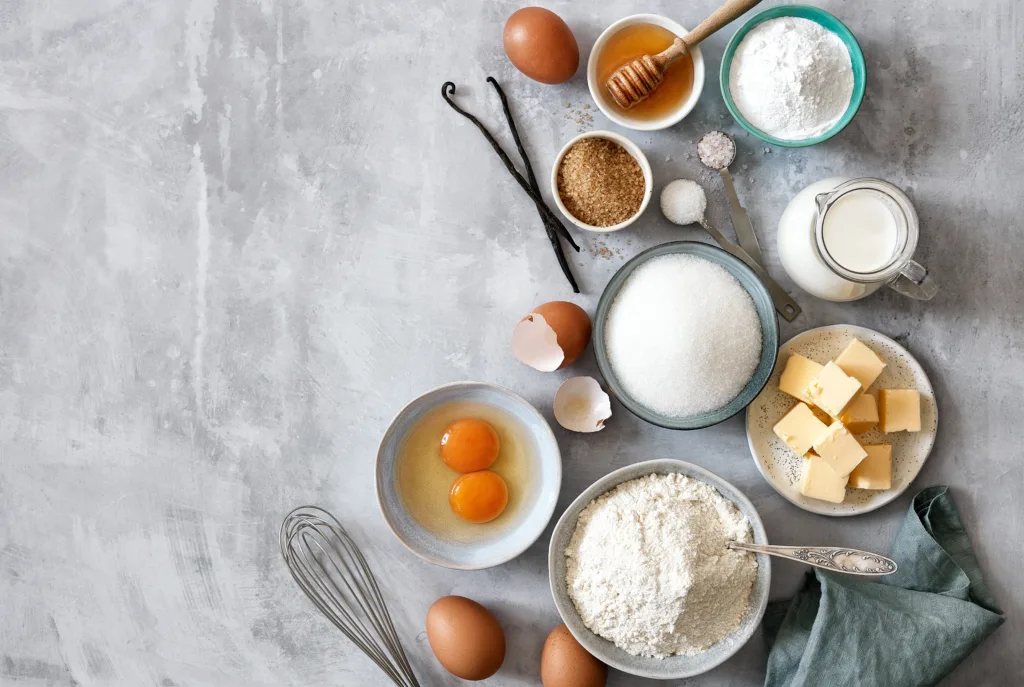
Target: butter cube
(797, 376)
(861, 363)
(875, 471)
(898, 410)
(861, 415)
(822, 415)
(832, 390)
(839, 449)
(799, 428)
(819, 481)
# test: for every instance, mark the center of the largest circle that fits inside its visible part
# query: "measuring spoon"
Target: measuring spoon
(740, 218)
(784, 304)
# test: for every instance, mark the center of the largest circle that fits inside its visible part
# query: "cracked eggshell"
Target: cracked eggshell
(552, 336)
(581, 405)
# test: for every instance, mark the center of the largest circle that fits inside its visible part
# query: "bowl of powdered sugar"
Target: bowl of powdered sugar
(642, 576)
(793, 76)
(685, 335)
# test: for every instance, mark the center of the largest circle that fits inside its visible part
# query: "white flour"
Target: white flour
(648, 567)
(791, 78)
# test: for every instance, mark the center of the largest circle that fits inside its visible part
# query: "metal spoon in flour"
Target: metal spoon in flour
(834, 558)
(683, 202)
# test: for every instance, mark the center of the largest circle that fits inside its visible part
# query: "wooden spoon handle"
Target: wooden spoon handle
(717, 19)
(669, 54)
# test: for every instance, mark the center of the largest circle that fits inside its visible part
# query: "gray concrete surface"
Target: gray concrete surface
(238, 235)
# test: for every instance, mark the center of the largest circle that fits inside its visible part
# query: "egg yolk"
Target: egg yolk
(478, 496)
(469, 445)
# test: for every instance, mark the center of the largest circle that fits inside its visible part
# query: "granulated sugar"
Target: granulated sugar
(683, 202)
(682, 336)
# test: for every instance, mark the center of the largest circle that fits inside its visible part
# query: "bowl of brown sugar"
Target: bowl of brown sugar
(601, 181)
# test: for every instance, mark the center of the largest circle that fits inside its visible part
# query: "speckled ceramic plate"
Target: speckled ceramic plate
(781, 467)
(498, 542)
(674, 667)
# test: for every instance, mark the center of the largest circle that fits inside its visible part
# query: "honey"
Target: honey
(632, 42)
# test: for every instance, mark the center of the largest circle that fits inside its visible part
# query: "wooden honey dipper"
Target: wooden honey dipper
(636, 80)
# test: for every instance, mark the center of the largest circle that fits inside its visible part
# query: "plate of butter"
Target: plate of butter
(845, 423)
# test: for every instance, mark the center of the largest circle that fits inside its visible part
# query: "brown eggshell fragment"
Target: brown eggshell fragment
(581, 405)
(552, 336)
(541, 45)
(465, 637)
(565, 663)
(572, 327)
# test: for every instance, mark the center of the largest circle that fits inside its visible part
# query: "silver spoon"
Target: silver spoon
(834, 558)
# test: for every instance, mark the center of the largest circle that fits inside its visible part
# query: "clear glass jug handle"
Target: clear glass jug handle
(914, 281)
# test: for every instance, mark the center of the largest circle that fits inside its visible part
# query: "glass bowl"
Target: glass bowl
(765, 314)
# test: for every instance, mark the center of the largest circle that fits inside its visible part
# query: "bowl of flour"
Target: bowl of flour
(641, 575)
(793, 76)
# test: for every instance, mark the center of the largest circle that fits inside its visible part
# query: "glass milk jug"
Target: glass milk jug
(843, 239)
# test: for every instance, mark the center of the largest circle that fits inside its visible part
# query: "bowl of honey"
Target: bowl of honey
(467, 475)
(633, 37)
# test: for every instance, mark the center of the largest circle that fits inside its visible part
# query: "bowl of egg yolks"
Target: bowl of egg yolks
(467, 475)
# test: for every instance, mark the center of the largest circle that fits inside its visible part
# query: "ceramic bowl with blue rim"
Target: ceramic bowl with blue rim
(765, 313)
(827, 21)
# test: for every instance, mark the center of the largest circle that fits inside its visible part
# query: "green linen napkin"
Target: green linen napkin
(908, 629)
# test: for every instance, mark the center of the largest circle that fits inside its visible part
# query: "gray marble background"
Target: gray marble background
(238, 235)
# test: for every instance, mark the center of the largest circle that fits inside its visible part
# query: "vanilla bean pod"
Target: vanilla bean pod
(532, 178)
(446, 89)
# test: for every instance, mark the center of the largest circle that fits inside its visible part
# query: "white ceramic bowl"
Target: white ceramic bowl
(631, 148)
(518, 530)
(674, 667)
(603, 98)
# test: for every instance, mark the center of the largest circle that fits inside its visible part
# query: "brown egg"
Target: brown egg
(465, 637)
(541, 45)
(555, 339)
(565, 663)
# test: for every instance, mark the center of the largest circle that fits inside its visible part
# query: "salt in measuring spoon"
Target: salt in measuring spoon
(716, 150)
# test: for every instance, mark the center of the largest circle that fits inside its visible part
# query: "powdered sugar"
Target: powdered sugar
(791, 78)
(648, 569)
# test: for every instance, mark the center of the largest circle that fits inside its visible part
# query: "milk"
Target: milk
(860, 231)
(843, 239)
(799, 252)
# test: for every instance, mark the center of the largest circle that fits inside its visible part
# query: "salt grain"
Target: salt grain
(683, 336)
(716, 150)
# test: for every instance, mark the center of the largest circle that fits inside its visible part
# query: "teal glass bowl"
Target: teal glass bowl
(765, 313)
(829, 22)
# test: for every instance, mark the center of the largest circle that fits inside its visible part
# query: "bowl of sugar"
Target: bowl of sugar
(685, 335)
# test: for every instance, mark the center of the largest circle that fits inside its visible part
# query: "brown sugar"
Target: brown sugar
(600, 183)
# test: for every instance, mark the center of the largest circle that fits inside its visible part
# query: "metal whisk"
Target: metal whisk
(331, 570)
